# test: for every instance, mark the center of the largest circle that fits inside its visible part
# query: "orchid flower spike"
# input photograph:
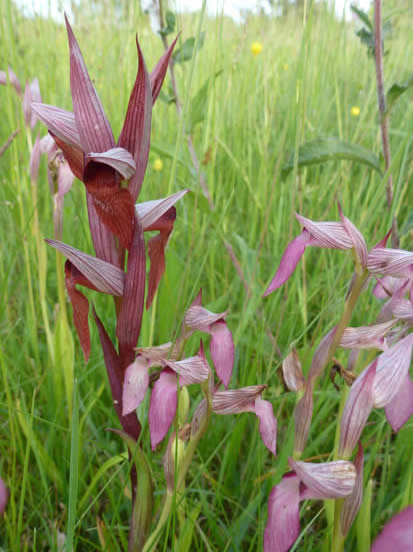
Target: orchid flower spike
(334, 235)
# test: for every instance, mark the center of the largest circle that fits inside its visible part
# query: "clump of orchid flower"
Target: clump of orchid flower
(113, 174)
(384, 383)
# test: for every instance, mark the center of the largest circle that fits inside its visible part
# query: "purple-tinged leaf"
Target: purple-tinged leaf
(162, 408)
(356, 237)
(302, 419)
(4, 496)
(390, 262)
(236, 401)
(117, 158)
(222, 350)
(321, 356)
(351, 504)
(397, 534)
(366, 337)
(135, 384)
(150, 212)
(400, 409)
(327, 480)
(106, 277)
(293, 253)
(93, 127)
(283, 524)
(392, 367)
(292, 371)
(130, 317)
(158, 74)
(35, 160)
(358, 406)
(130, 422)
(136, 131)
(268, 424)
(191, 370)
(332, 235)
(60, 122)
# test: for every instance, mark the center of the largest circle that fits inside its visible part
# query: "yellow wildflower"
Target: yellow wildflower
(355, 111)
(157, 165)
(256, 48)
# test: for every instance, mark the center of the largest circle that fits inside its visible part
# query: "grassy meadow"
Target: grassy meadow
(68, 476)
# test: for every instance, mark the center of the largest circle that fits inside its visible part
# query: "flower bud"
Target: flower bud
(183, 406)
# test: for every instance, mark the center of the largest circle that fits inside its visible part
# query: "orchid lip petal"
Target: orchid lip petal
(400, 408)
(397, 533)
(162, 408)
(135, 384)
(325, 480)
(268, 424)
(106, 277)
(4, 496)
(222, 351)
(150, 211)
(117, 158)
(292, 254)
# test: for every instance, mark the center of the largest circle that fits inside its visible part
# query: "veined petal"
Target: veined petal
(162, 407)
(292, 371)
(302, 418)
(74, 156)
(332, 235)
(321, 355)
(358, 406)
(387, 286)
(400, 408)
(94, 129)
(293, 253)
(4, 496)
(268, 424)
(102, 237)
(65, 178)
(117, 158)
(351, 504)
(402, 309)
(60, 122)
(191, 370)
(392, 367)
(135, 384)
(222, 350)
(235, 401)
(283, 524)
(158, 74)
(327, 480)
(397, 533)
(366, 337)
(390, 262)
(356, 237)
(106, 277)
(166, 351)
(136, 131)
(150, 212)
(198, 318)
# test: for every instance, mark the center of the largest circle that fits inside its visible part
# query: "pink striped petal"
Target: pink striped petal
(268, 424)
(321, 356)
(235, 401)
(65, 178)
(93, 127)
(166, 351)
(302, 419)
(198, 318)
(387, 286)
(390, 262)
(4, 496)
(327, 480)
(60, 122)
(392, 367)
(191, 370)
(397, 534)
(400, 409)
(117, 158)
(356, 237)
(283, 524)
(135, 384)
(106, 277)
(332, 235)
(292, 372)
(162, 408)
(366, 337)
(293, 253)
(222, 350)
(358, 406)
(352, 503)
(150, 212)
(158, 74)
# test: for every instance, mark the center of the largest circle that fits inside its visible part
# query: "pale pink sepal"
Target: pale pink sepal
(356, 237)
(367, 337)
(292, 371)
(387, 286)
(117, 158)
(166, 351)
(332, 235)
(293, 253)
(397, 534)
(60, 122)
(392, 367)
(268, 424)
(390, 262)
(302, 418)
(357, 409)
(320, 357)
(162, 408)
(4, 496)
(135, 384)
(191, 370)
(400, 409)
(199, 318)
(151, 211)
(283, 524)
(326, 480)
(235, 401)
(351, 504)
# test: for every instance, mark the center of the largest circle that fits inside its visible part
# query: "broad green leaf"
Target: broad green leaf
(184, 53)
(170, 24)
(362, 15)
(199, 102)
(331, 149)
(396, 90)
